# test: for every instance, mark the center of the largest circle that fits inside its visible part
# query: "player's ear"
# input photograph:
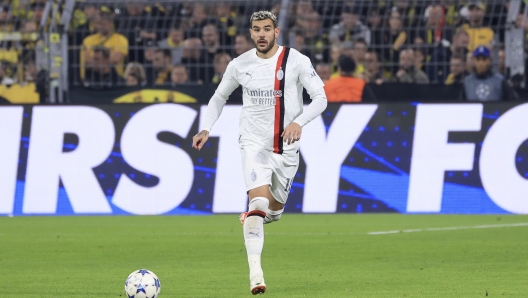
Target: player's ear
(277, 32)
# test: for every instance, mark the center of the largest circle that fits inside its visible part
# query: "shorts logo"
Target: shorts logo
(253, 175)
(280, 74)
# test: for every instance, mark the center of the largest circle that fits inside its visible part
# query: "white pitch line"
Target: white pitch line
(522, 224)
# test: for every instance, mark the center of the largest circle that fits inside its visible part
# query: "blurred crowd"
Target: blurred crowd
(149, 43)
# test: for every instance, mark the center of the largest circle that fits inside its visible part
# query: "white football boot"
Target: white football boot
(256, 281)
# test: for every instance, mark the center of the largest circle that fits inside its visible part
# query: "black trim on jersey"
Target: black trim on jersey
(282, 108)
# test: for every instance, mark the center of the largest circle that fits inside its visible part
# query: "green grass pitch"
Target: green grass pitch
(304, 256)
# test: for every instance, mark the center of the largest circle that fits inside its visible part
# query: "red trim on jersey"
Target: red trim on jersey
(279, 101)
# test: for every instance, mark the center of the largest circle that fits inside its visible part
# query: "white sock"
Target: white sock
(254, 232)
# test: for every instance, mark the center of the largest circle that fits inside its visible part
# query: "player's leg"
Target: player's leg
(284, 169)
(275, 208)
(259, 200)
(257, 176)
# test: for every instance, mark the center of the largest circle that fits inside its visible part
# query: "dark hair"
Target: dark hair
(179, 65)
(245, 35)
(347, 64)
(165, 52)
(360, 40)
(219, 56)
(458, 56)
(177, 25)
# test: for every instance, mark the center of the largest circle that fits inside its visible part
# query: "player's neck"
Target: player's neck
(270, 53)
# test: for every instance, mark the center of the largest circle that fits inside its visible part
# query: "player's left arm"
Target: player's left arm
(315, 87)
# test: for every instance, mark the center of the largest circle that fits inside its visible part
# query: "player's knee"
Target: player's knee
(274, 215)
(259, 203)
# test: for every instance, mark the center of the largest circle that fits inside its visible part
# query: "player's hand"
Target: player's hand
(200, 139)
(292, 133)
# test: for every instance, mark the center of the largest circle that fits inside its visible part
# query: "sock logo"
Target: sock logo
(252, 234)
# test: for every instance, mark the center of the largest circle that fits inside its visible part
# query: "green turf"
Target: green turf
(304, 256)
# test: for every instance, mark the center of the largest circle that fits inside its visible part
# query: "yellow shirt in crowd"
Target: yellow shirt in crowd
(115, 43)
(482, 36)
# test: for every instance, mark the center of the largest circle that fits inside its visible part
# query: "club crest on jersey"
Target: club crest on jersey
(253, 175)
(280, 74)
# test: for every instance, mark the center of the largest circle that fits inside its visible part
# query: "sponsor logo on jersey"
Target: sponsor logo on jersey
(263, 97)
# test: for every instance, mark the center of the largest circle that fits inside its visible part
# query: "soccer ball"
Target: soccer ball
(142, 284)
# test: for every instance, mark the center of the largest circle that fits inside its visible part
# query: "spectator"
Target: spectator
(434, 33)
(434, 39)
(101, 74)
(303, 8)
(451, 12)
(409, 11)
(197, 21)
(226, 22)
(211, 43)
(502, 62)
(479, 35)
(350, 28)
(484, 84)
(374, 73)
(135, 74)
(221, 60)
(374, 22)
(38, 11)
(345, 87)
(419, 59)
(457, 69)
(335, 52)
(242, 44)
(347, 50)
(5, 80)
(163, 66)
(324, 72)
(192, 48)
(30, 71)
(360, 49)
(91, 12)
(28, 45)
(132, 23)
(300, 46)
(470, 62)
(314, 38)
(460, 43)
(174, 42)
(179, 75)
(32, 75)
(408, 73)
(116, 43)
(394, 39)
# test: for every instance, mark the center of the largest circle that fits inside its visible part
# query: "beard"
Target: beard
(266, 49)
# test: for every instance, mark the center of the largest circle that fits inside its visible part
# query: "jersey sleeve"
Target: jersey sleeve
(313, 84)
(308, 77)
(217, 102)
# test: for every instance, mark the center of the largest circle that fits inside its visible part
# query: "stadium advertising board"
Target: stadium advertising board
(137, 159)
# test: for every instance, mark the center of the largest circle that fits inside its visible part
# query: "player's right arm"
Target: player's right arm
(216, 104)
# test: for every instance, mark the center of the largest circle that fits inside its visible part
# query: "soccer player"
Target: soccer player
(271, 122)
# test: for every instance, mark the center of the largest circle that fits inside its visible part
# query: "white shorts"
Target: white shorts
(261, 167)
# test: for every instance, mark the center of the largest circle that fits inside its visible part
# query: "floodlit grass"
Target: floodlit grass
(304, 256)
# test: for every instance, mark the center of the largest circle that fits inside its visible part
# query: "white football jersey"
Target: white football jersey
(272, 95)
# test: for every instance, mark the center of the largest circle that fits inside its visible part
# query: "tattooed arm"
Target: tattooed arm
(200, 139)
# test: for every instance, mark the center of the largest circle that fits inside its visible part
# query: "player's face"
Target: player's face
(263, 34)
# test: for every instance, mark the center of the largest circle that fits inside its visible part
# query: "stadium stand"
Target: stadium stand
(155, 37)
